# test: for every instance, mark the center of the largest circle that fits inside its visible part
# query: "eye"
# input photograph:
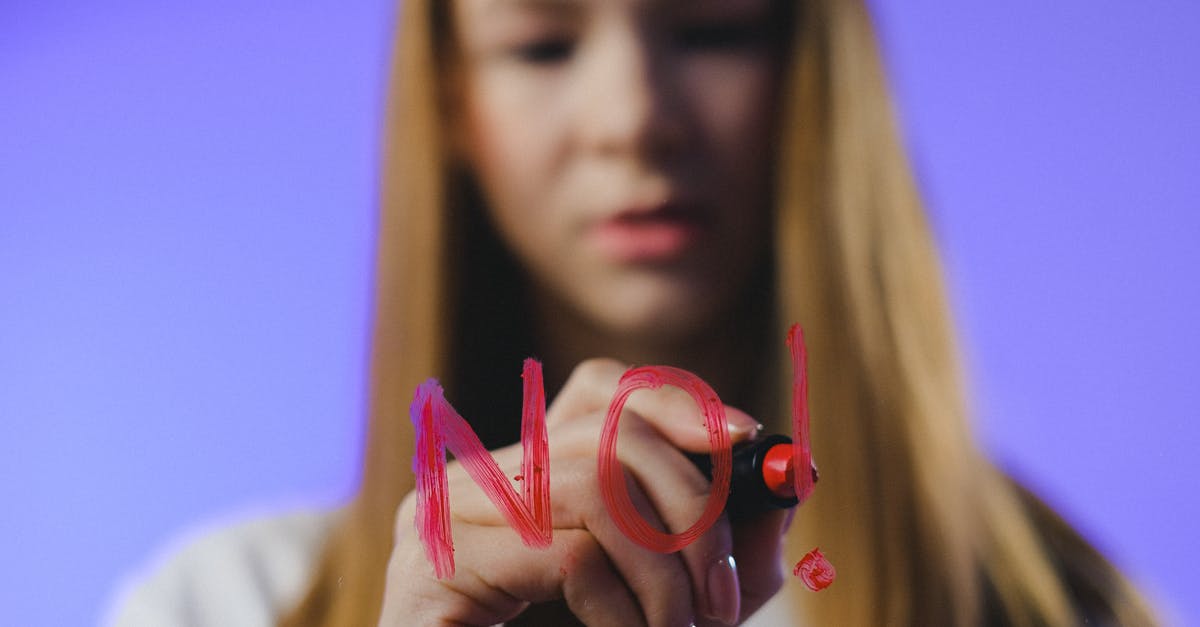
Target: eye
(545, 51)
(723, 35)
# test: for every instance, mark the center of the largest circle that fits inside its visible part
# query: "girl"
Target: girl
(602, 183)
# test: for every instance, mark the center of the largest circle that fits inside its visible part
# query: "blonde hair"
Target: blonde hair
(923, 530)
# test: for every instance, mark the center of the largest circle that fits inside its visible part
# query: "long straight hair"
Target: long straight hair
(923, 530)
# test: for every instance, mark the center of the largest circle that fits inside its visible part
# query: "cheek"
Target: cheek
(500, 155)
(512, 157)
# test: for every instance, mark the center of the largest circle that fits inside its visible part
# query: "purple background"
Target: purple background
(186, 195)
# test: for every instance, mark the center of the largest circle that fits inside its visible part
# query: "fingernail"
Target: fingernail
(741, 425)
(724, 595)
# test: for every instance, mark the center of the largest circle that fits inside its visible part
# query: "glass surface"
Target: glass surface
(186, 227)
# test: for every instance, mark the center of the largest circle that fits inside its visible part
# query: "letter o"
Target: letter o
(612, 481)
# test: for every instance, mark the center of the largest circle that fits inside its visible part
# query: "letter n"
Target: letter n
(439, 427)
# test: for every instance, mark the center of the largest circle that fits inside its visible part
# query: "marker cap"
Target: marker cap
(763, 476)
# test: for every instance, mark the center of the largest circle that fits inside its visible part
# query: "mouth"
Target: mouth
(649, 234)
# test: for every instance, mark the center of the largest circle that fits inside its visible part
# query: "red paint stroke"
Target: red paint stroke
(612, 480)
(815, 571)
(438, 427)
(801, 446)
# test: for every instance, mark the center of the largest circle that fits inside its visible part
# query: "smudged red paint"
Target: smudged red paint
(612, 480)
(801, 446)
(438, 428)
(815, 570)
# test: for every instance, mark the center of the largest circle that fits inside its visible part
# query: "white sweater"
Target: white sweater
(247, 574)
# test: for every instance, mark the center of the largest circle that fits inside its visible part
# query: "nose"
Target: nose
(631, 101)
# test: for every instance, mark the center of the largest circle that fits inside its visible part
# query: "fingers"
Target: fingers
(574, 568)
(659, 582)
(601, 575)
(497, 580)
(758, 548)
(670, 494)
(680, 493)
(656, 424)
(670, 410)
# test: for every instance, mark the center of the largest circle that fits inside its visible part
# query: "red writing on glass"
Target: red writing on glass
(815, 571)
(439, 427)
(801, 446)
(612, 482)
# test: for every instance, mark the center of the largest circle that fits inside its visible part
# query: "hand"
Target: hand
(601, 576)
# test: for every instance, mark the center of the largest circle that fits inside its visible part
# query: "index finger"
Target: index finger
(669, 409)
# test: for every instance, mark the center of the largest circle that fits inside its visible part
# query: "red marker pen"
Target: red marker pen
(763, 477)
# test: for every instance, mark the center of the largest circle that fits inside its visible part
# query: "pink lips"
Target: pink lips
(658, 234)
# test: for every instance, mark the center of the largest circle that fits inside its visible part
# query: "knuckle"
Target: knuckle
(580, 479)
(407, 510)
(581, 553)
(681, 404)
(575, 437)
(597, 371)
(581, 474)
(588, 388)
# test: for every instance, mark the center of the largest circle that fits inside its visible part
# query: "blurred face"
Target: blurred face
(622, 149)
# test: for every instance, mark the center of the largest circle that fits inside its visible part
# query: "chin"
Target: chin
(656, 318)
